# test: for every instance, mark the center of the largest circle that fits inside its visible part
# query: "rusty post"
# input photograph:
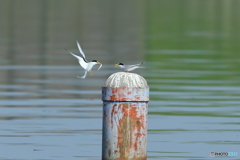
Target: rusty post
(125, 101)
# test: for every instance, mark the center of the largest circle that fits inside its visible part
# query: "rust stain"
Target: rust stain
(113, 98)
(129, 124)
(118, 97)
(113, 112)
(115, 90)
(122, 97)
(139, 158)
(124, 133)
(138, 134)
(137, 98)
(124, 94)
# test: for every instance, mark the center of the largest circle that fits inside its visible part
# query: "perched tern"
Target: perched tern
(87, 66)
(129, 68)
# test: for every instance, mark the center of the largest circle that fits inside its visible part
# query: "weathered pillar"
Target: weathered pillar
(125, 103)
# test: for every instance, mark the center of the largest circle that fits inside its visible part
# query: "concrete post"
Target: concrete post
(125, 101)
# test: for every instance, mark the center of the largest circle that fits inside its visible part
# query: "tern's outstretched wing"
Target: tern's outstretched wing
(135, 65)
(138, 64)
(132, 67)
(80, 60)
(80, 50)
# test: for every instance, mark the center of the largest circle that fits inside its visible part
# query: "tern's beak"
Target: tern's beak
(116, 65)
(99, 63)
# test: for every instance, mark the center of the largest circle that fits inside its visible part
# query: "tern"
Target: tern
(87, 66)
(129, 68)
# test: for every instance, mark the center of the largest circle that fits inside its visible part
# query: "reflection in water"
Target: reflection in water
(43, 39)
(190, 49)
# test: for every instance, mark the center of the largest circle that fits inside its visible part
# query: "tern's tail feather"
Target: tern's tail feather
(84, 76)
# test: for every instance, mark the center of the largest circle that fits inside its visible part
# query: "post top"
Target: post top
(126, 79)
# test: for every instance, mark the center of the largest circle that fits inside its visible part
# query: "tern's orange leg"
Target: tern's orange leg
(90, 73)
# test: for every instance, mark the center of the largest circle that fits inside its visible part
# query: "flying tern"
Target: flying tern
(87, 66)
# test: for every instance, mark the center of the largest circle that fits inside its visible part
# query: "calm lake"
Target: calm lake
(192, 57)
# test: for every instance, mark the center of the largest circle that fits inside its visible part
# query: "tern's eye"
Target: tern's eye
(120, 64)
(94, 60)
